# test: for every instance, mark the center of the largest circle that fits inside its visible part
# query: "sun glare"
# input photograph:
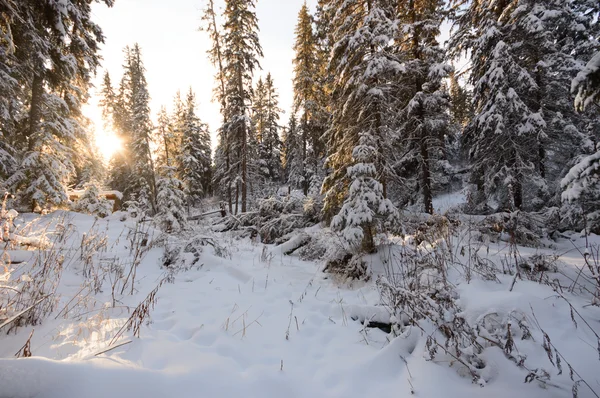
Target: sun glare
(108, 144)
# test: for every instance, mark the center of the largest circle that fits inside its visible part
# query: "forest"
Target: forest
(428, 207)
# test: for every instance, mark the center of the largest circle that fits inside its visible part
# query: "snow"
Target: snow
(445, 202)
(258, 323)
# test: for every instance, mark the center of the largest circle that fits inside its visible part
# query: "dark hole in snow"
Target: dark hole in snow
(384, 327)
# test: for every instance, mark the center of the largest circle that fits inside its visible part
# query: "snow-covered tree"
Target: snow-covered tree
(195, 155)
(266, 114)
(364, 65)
(365, 210)
(524, 55)
(132, 168)
(308, 97)
(171, 216)
(49, 52)
(237, 59)
(424, 104)
(293, 164)
(221, 183)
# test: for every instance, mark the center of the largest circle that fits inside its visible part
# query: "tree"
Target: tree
(524, 55)
(92, 203)
(221, 179)
(366, 206)
(132, 169)
(424, 104)
(240, 52)
(49, 51)
(293, 165)
(195, 154)
(364, 66)
(586, 85)
(308, 95)
(163, 137)
(266, 115)
(171, 216)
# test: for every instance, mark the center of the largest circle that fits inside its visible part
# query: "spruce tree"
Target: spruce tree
(171, 215)
(364, 66)
(307, 69)
(266, 115)
(132, 169)
(221, 183)
(195, 154)
(240, 53)
(424, 104)
(49, 54)
(293, 164)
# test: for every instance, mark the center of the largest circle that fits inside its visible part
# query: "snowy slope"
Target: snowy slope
(260, 324)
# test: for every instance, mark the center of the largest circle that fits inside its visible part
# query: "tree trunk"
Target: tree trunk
(368, 242)
(426, 177)
(35, 110)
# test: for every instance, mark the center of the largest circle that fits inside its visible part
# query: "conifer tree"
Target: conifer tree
(266, 115)
(365, 208)
(424, 104)
(307, 69)
(163, 138)
(132, 169)
(49, 53)
(240, 52)
(524, 55)
(171, 216)
(221, 183)
(364, 65)
(195, 154)
(292, 155)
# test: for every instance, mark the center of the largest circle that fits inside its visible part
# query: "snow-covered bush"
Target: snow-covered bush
(91, 202)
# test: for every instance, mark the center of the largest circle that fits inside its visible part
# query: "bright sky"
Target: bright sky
(174, 51)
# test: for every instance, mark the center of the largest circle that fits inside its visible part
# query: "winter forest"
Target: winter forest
(423, 220)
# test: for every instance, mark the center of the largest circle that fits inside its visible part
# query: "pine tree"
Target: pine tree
(49, 53)
(132, 170)
(163, 137)
(424, 121)
(364, 66)
(524, 55)
(195, 154)
(240, 53)
(366, 208)
(292, 155)
(266, 115)
(221, 183)
(307, 93)
(92, 203)
(171, 216)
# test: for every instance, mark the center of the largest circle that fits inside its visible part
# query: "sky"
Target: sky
(174, 51)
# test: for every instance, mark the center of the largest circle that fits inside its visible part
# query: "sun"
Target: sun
(108, 143)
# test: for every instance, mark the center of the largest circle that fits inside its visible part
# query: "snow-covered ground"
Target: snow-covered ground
(255, 323)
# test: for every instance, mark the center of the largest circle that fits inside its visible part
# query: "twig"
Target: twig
(112, 348)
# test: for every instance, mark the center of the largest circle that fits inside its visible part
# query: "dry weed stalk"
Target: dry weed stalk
(140, 315)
